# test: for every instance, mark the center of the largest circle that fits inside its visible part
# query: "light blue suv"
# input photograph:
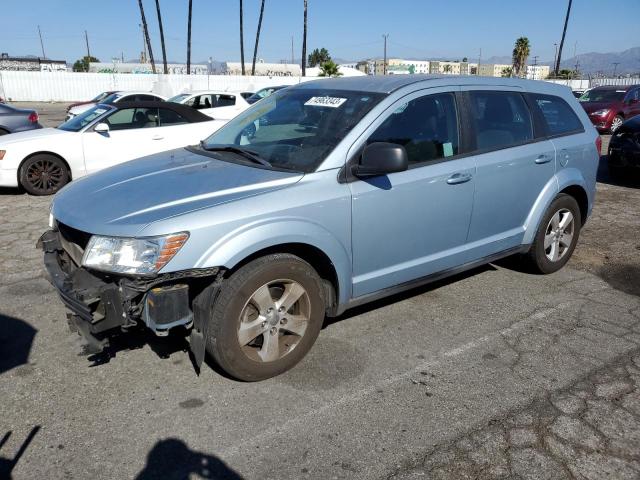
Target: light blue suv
(318, 198)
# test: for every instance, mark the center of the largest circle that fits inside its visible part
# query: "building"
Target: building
(492, 69)
(264, 69)
(537, 72)
(145, 68)
(31, 64)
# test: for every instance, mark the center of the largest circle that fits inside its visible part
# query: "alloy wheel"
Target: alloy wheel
(615, 124)
(274, 320)
(559, 235)
(45, 176)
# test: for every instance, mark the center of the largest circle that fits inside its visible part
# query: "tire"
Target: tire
(242, 311)
(43, 174)
(616, 122)
(541, 259)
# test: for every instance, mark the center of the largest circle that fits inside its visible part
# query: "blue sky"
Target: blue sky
(349, 29)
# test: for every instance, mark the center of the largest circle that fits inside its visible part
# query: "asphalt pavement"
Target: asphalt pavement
(495, 373)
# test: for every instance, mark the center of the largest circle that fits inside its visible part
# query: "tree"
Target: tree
(241, 40)
(146, 36)
(82, 65)
(255, 49)
(465, 59)
(507, 72)
(564, 33)
(521, 52)
(318, 57)
(164, 51)
(304, 42)
(446, 69)
(189, 37)
(329, 69)
(565, 73)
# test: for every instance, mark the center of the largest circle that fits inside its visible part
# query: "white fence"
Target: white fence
(69, 87)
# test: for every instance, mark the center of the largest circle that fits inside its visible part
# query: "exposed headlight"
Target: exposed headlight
(600, 113)
(132, 255)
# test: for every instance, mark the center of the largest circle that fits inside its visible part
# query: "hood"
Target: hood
(30, 135)
(122, 200)
(590, 107)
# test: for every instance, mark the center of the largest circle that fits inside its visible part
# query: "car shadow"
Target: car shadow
(172, 459)
(8, 464)
(630, 178)
(16, 340)
(11, 191)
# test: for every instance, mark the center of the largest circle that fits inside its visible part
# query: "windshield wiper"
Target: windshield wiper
(248, 154)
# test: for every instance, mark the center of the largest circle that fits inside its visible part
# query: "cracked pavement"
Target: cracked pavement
(492, 374)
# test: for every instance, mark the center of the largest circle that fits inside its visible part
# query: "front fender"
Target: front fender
(564, 178)
(251, 238)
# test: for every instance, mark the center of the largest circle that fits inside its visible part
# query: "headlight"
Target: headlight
(600, 113)
(132, 255)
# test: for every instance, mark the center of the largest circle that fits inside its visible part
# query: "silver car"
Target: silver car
(14, 119)
(321, 197)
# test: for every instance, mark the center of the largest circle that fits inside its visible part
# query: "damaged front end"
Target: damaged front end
(102, 305)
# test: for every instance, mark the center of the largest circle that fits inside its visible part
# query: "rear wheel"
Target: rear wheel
(557, 235)
(43, 174)
(267, 317)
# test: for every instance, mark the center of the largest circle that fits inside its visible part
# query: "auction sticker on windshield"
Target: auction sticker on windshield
(333, 102)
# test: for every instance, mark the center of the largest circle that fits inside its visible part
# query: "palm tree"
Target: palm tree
(564, 33)
(304, 42)
(329, 69)
(189, 39)
(521, 52)
(241, 40)
(146, 36)
(507, 72)
(447, 69)
(164, 51)
(255, 49)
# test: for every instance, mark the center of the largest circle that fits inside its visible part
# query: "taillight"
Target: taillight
(33, 117)
(599, 144)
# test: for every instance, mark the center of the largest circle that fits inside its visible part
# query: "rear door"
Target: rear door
(133, 133)
(514, 162)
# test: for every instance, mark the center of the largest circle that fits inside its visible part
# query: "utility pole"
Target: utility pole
(615, 68)
(555, 59)
(384, 66)
(564, 33)
(86, 39)
(479, 60)
(146, 36)
(44, 55)
(144, 46)
(292, 62)
(535, 60)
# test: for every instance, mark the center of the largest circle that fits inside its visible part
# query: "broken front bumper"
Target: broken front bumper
(103, 304)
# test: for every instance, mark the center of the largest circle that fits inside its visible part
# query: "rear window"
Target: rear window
(559, 117)
(501, 119)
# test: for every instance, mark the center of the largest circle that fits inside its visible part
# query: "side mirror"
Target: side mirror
(381, 158)
(101, 128)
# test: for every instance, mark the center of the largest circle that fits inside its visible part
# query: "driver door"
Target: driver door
(133, 133)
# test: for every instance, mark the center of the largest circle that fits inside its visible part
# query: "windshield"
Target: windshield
(604, 95)
(111, 98)
(100, 97)
(296, 128)
(265, 92)
(78, 122)
(179, 98)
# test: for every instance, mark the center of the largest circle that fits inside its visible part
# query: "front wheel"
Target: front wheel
(616, 123)
(43, 174)
(266, 318)
(557, 235)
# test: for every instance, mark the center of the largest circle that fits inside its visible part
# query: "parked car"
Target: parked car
(264, 93)
(220, 105)
(116, 97)
(246, 95)
(94, 101)
(17, 119)
(609, 106)
(321, 197)
(624, 147)
(43, 161)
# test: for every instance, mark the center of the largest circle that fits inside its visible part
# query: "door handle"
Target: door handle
(157, 137)
(458, 178)
(543, 159)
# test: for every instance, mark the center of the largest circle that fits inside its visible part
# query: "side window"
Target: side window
(129, 118)
(201, 101)
(169, 117)
(148, 98)
(128, 98)
(501, 119)
(558, 115)
(225, 101)
(427, 127)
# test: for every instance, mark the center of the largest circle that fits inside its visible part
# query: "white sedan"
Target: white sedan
(217, 104)
(115, 97)
(43, 161)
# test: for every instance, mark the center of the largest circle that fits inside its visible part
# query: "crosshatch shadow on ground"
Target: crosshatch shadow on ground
(172, 459)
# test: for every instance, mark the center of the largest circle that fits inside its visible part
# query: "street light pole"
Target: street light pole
(615, 68)
(384, 66)
(44, 55)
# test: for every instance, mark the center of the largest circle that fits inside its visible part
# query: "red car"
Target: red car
(608, 107)
(97, 99)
